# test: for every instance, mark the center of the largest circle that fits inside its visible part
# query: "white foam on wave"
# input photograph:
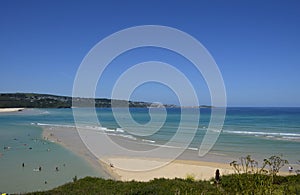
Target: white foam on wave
(193, 149)
(147, 140)
(291, 138)
(164, 146)
(128, 136)
(109, 130)
(74, 126)
(120, 130)
(103, 130)
(263, 133)
(53, 125)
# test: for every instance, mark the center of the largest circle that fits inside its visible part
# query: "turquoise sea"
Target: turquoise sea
(260, 132)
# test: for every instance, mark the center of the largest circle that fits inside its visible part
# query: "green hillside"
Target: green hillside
(33, 100)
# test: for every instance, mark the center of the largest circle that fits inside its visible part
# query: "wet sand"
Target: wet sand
(127, 168)
(69, 138)
(124, 167)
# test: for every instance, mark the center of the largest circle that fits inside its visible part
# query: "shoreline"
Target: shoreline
(185, 166)
(6, 110)
(198, 170)
(69, 138)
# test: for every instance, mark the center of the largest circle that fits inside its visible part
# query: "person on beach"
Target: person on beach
(40, 168)
(217, 176)
(56, 169)
(23, 165)
(290, 169)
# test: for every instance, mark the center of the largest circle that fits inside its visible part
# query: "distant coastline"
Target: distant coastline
(35, 100)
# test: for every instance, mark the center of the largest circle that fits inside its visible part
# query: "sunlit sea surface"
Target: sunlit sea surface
(260, 132)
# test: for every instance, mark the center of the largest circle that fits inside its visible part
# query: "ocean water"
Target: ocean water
(21, 142)
(260, 132)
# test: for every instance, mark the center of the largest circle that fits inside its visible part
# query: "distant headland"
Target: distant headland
(35, 100)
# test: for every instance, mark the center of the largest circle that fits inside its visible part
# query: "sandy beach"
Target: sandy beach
(127, 168)
(180, 168)
(69, 138)
(11, 109)
(198, 170)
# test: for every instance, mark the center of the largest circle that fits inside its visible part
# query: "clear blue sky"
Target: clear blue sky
(256, 44)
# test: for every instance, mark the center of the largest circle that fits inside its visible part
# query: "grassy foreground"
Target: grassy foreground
(231, 184)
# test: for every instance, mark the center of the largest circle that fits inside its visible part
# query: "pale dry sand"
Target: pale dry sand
(69, 138)
(11, 109)
(199, 170)
(136, 168)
